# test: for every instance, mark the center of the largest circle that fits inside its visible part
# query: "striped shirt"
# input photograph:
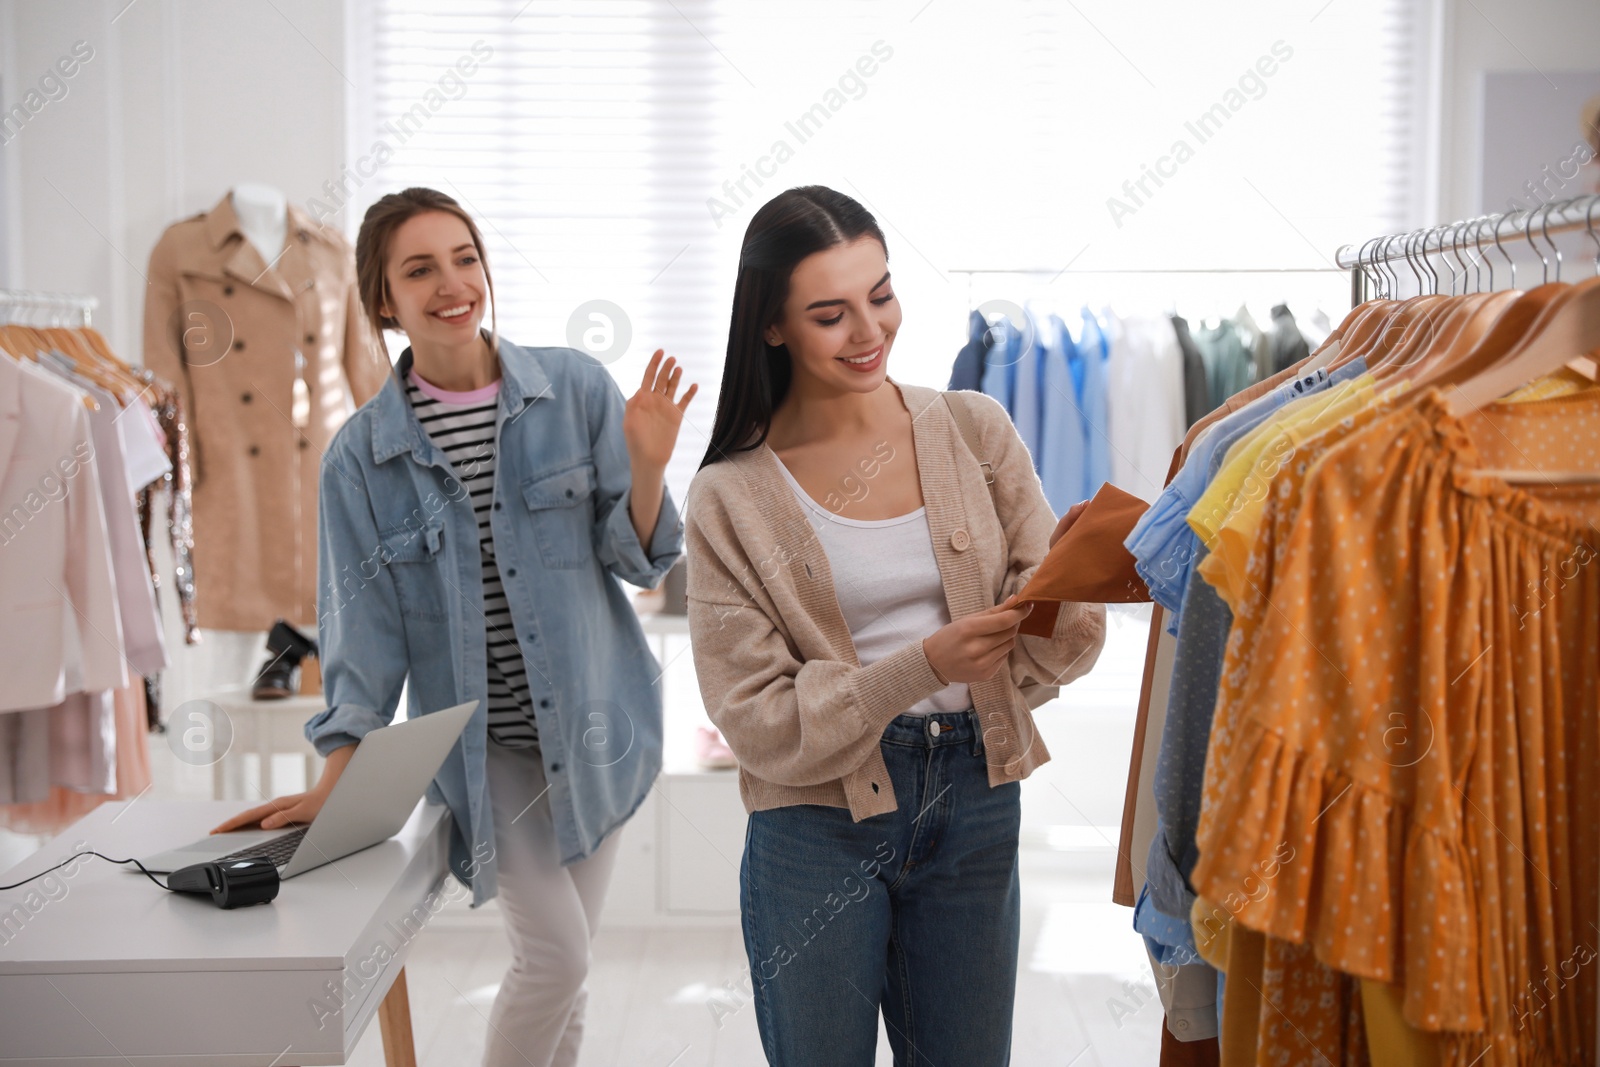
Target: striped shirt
(463, 426)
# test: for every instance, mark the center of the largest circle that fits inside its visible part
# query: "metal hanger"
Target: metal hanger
(1438, 231)
(1495, 232)
(1527, 235)
(1385, 263)
(1373, 250)
(1371, 278)
(1408, 242)
(1474, 250)
(1419, 239)
(1427, 264)
(1449, 253)
(1510, 216)
(1544, 228)
(1588, 223)
(1483, 253)
(1469, 246)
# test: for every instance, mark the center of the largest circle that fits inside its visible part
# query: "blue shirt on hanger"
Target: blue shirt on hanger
(1063, 454)
(1162, 543)
(967, 373)
(1027, 401)
(999, 363)
(1096, 404)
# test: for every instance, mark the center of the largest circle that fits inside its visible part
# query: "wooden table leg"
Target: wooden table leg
(394, 1021)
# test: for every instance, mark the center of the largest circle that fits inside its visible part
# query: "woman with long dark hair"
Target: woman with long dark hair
(478, 518)
(852, 591)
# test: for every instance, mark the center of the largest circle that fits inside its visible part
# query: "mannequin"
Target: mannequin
(263, 216)
(299, 357)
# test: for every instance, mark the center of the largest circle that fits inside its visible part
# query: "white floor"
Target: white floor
(669, 997)
(659, 998)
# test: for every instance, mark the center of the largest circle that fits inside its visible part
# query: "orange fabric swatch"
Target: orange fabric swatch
(1089, 564)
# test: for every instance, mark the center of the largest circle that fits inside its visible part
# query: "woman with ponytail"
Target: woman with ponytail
(479, 516)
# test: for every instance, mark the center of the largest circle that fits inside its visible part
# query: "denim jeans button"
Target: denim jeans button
(933, 727)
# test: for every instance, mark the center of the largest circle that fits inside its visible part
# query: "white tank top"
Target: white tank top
(887, 582)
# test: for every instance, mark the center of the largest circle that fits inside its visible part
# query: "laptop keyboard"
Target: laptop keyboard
(278, 850)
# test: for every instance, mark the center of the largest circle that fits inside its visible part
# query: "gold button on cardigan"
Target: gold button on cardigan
(776, 664)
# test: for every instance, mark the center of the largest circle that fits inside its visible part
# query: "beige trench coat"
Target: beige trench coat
(233, 333)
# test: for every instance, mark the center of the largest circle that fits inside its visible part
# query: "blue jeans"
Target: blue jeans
(915, 912)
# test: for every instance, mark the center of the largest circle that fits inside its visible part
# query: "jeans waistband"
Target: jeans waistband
(933, 730)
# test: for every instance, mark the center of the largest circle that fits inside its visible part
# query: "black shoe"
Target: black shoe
(279, 676)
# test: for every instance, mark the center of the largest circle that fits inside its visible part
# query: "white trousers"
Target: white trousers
(551, 914)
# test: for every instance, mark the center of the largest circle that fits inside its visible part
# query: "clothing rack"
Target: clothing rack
(1543, 223)
(1057, 272)
(1367, 261)
(15, 304)
(1145, 270)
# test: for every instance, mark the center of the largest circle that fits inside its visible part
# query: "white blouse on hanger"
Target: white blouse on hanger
(60, 631)
(1145, 394)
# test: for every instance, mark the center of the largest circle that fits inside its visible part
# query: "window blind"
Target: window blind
(613, 151)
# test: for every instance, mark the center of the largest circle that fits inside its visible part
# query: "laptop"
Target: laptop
(371, 801)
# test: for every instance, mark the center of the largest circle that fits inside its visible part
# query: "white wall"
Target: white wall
(184, 98)
(1485, 35)
(181, 100)
(67, 218)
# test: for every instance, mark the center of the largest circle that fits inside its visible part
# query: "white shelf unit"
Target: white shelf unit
(679, 863)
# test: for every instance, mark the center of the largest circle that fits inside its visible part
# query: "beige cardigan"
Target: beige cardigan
(777, 667)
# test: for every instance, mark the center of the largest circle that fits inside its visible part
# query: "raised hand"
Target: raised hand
(653, 415)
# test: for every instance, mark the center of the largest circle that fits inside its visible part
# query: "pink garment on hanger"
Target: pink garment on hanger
(83, 742)
(60, 630)
(24, 755)
(143, 643)
(62, 806)
(72, 744)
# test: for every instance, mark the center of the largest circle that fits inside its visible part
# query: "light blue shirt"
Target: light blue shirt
(1162, 543)
(1062, 440)
(1000, 363)
(1169, 939)
(1094, 391)
(401, 595)
(1027, 399)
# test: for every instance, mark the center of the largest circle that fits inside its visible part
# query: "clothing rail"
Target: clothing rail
(13, 301)
(1057, 272)
(1531, 227)
(1147, 270)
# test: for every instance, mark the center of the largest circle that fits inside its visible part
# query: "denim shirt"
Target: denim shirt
(400, 593)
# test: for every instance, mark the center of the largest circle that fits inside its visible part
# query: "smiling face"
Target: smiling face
(434, 280)
(841, 316)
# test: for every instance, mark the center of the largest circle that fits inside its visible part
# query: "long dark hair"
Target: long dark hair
(755, 376)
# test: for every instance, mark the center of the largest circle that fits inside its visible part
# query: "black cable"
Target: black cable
(76, 855)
